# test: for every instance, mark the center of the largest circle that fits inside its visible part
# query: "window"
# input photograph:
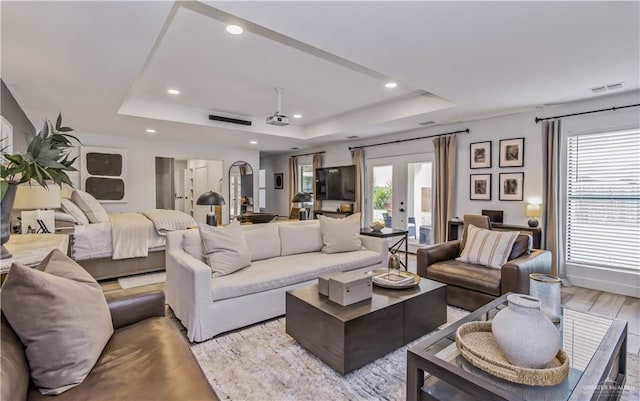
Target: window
(603, 200)
(306, 178)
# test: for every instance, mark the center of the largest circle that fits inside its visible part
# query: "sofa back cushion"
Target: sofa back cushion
(341, 235)
(62, 318)
(192, 244)
(300, 237)
(487, 247)
(224, 249)
(263, 240)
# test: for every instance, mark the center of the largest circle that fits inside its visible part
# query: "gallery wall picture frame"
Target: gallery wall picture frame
(103, 173)
(512, 152)
(480, 155)
(278, 180)
(480, 186)
(511, 186)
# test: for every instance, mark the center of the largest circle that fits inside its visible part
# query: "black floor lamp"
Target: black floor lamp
(211, 198)
(302, 198)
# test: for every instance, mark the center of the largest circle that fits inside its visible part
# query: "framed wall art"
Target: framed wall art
(512, 152)
(480, 155)
(511, 186)
(279, 180)
(103, 173)
(480, 187)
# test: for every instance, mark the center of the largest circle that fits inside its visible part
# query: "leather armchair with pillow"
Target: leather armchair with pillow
(470, 286)
(145, 359)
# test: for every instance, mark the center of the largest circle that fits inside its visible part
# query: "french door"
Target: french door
(398, 193)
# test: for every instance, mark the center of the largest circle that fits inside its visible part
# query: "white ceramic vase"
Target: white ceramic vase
(525, 335)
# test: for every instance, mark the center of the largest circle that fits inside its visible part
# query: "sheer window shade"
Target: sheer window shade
(603, 199)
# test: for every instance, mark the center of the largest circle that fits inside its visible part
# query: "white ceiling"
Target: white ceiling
(107, 65)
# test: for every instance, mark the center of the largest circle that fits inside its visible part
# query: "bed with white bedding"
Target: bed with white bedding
(130, 243)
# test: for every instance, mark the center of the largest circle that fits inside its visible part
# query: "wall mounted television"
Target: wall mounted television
(336, 183)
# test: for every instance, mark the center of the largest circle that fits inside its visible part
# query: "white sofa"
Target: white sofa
(285, 255)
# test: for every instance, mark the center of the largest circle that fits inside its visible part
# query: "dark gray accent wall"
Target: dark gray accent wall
(11, 110)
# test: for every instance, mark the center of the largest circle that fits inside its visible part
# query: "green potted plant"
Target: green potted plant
(45, 161)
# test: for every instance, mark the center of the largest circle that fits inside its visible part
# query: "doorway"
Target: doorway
(399, 193)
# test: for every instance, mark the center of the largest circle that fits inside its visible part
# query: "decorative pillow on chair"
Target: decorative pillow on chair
(224, 249)
(90, 206)
(487, 247)
(341, 235)
(61, 316)
(69, 207)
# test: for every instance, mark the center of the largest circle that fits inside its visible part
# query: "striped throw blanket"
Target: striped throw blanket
(169, 220)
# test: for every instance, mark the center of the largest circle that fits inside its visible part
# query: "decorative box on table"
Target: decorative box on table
(350, 287)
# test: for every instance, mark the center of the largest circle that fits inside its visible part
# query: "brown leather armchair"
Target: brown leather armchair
(471, 286)
(146, 358)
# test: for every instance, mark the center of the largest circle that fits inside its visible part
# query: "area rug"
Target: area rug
(141, 280)
(264, 363)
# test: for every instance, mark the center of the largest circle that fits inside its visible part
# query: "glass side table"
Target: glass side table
(596, 347)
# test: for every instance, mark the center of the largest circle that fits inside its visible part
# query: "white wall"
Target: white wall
(141, 153)
(520, 125)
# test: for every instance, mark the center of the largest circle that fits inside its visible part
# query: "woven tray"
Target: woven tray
(477, 345)
(416, 280)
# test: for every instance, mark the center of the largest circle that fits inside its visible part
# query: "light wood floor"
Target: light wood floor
(581, 299)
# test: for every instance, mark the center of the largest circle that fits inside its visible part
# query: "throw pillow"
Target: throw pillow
(521, 245)
(224, 249)
(69, 207)
(60, 314)
(90, 206)
(192, 244)
(487, 247)
(341, 235)
(300, 237)
(263, 240)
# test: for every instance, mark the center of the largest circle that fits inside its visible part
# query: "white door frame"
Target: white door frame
(399, 184)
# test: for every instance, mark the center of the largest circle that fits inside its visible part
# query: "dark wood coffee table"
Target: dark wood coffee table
(349, 337)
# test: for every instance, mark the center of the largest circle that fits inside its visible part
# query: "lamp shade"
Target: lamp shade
(33, 196)
(302, 197)
(533, 210)
(210, 198)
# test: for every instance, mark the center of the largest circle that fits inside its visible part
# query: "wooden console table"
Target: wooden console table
(454, 231)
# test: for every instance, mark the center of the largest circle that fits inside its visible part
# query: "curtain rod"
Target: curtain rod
(307, 154)
(614, 108)
(410, 139)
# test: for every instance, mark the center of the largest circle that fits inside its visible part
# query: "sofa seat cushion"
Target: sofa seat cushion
(280, 272)
(147, 360)
(466, 275)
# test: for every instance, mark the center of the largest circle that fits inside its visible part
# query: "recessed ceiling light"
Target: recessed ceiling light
(253, 142)
(294, 148)
(234, 29)
(390, 85)
(173, 91)
(297, 116)
(151, 131)
(353, 137)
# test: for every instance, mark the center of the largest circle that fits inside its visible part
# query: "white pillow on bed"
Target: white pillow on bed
(69, 207)
(90, 206)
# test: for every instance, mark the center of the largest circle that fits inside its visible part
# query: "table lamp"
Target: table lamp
(533, 211)
(35, 197)
(302, 198)
(211, 198)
